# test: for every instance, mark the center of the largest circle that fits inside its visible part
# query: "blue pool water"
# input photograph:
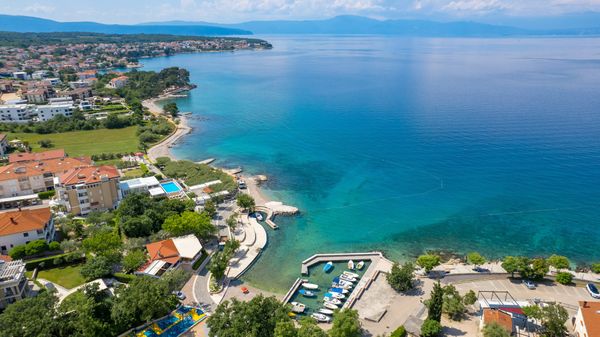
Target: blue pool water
(404, 145)
(170, 187)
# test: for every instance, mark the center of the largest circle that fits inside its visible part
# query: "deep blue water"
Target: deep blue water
(404, 145)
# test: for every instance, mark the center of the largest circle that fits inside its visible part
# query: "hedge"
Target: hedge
(198, 262)
(124, 278)
(46, 195)
(400, 332)
(55, 261)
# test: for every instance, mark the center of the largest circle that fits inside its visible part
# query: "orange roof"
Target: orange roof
(52, 154)
(5, 258)
(163, 250)
(35, 168)
(120, 78)
(24, 221)
(591, 317)
(496, 316)
(89, 174)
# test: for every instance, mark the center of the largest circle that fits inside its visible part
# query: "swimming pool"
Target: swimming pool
(171, 187)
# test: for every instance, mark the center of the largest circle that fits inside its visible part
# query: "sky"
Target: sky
(233, 11)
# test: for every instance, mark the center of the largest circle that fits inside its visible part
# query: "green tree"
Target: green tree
(470, 298)
(172, 109)
(86, 313)
(17, 252)
(475, 258)
(494, 330)
(514, 264)
(345, 324)
(308, 328)
(564, 278)
(232, 221)
(136, 227)
(399, 332)
(596, 268)
(45, 143)
(245, 201)
(210, 208)
(453, 305)
(435, 303)
(401, 278)
(102, 241)
(31, 317)
(36, 247)
(285, 329)
(96, 267)
(133, 260)
(431, 328)
(255, 318)
(190, 223)
(554, 317)
(428, 262)
(538, 269)
(559, 262)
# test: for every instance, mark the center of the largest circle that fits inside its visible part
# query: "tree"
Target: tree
(45, 143)
(36, 247)
(285, 329)
(558, 262)
(494, 330)
(190, 223)
(596, 268)
(220, 260)
(345, 324)
(308, 328)
(514, 264)
(17, 252)
(31, 317)
(453, 305)
(470, 298)
(102, 241)
(435, 303)
(475, 258)
(133, 260)
(431, 328)
(86, 313)
(171, 108)
(210, 208)
(401, 278)
(255, 318)
(232, 221)
(537, 270)
(96, 267)
(428, 261)
(245, 201)
(139, 226)
(564, 278)
(552, 317)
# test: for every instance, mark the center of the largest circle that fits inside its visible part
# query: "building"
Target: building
(15, 113)
(32, 177)
(86, 189)
(60, 100)
(23, 226)
(79, 93)
(3, 144)
(6, 86)
(118, 82)
(39, 74)
(37, 156)
(587, 320)
(13, 283)
(79, 84)
(171, 253)
(140, 185)
(37, 96)
(20, 75)
(53, 81)
(88, 74)
(47, 112)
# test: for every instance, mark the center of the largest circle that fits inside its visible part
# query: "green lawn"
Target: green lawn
(135, 173)
(67, 276)
(86, 143)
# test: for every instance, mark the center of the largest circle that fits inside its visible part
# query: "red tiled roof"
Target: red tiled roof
(5, 258)
(35, 168)
(496, 316)
(162, 250)
(88, 174)
(52, 154)
(24, 221)
(591, 316)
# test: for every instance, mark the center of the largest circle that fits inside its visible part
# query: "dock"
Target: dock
(320, 258)
(274, 208)
(292, 291)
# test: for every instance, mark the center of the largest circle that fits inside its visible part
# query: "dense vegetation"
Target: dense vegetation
(194, 174)
(146, 84)
(76, 122)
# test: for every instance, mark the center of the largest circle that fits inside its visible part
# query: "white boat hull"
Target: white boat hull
(310, 286)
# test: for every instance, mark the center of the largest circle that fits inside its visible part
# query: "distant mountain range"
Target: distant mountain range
(566, 25)
(25, 24)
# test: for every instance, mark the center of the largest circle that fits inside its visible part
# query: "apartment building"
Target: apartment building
(13, 283)
(15, 113)
(86, 189)
(3, 144)
(587, 320)
(47, 112)
(118, 82)
(18, 157)
(20, 227)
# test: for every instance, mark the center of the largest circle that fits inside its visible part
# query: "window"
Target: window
(25, 235)
(3, 248)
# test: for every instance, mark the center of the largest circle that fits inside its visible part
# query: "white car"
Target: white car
(180, 295)
(529, 284)
(593, 290)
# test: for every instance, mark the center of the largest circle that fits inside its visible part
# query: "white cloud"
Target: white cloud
(38, 8)
(478, 6)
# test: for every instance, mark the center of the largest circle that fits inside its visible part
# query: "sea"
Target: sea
(407, 145)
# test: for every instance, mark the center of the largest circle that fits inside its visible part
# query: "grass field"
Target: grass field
(68, 276)
(85, 143)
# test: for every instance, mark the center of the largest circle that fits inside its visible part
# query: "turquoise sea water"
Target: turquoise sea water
(403, 145)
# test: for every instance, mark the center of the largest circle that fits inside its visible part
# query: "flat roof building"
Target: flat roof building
(13, 283)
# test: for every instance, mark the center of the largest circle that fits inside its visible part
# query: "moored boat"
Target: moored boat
(306, 293)
(320, 317)
(326, 311)
(328, 267)
(339, 290)
(335, 295)
(351, 274)
(360, 265)
(298, 307)
(332, 300)
(258, 216)
(347, 278)
(311, 286)
(330, 305)
(351, 265)
(345, 287)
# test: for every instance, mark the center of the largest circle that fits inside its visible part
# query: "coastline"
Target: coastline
(163, 148)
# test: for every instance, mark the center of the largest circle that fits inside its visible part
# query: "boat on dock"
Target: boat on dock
(328, 267)
(339, 290)
(310, 286)
(298, 307)
(360, 265)
(258, 216)
(320, 318)
(330, 305)
(347, 278)
(326, 311)
(351, 274)
(332, 300)
(335, 295)
(351, 265)
(339, 283)
(306, 293)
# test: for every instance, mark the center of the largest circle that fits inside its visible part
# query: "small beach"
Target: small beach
(163, 149)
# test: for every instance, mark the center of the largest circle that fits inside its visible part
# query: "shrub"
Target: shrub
(558, 262)
(46, 195)
(400, 332)
(54, 245)
(564, 278)
(36, 247)
(17, 252)
(43, 263)
(198, 262)
(431, 328)
(428, 261)
(596, 267)
(57, 261)
(124, 278)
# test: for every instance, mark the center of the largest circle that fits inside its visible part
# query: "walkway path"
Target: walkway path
(254, 241)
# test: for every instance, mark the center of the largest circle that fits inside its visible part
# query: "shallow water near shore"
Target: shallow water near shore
(403, 145)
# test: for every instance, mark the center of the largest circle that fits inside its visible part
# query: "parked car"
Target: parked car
(180, 295)
(591, 288)
(529, 284)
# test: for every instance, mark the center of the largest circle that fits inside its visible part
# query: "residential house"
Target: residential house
(79, 84)
(86, 189)
(79, 93)
(84, 75)
(6, 86)
(36, 156)
(37, 96)
(587, 320)
(30, 177)
(13, 283)
(118, 82)
(140, 185)
(15, 113)
(20, 75)
(47, 112)
(3, 144)
(171, 253)
(20, 227)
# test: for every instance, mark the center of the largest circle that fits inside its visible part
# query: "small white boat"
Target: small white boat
(339, 290)
(311, 286)
(332, 300)
(351, 265)
(258, 216)
(360, 265)
(346, 284)
(330, 305)
(320, 318)
(347, 278)
(328, 267)
(351, 274)
(298, 307)
(326, 311)
(306, 293)
(335, 295)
